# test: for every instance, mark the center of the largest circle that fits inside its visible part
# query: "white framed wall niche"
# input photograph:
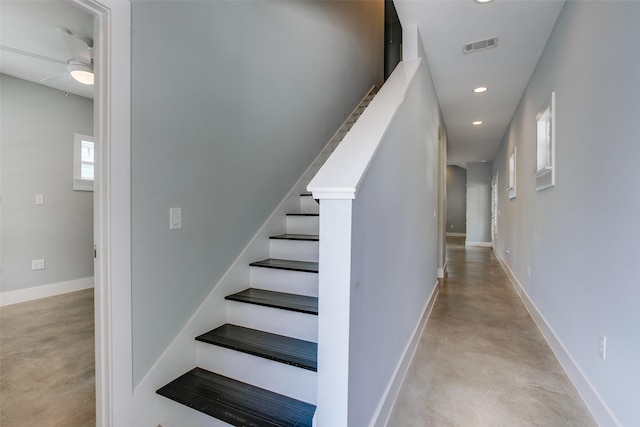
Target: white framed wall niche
(545, 144)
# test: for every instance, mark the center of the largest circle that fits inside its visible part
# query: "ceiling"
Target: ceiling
(522, 26)
(31, 47)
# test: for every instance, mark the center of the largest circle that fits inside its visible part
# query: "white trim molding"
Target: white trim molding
(112, 210)
(383, 412)
(592, 399)
(50, 290)
(442, 271)
(478, 244)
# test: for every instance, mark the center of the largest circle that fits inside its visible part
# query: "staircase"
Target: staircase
(259, 368)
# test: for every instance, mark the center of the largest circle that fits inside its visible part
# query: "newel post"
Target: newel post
(334, 309)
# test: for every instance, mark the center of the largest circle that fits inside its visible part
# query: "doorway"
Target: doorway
(495, 211)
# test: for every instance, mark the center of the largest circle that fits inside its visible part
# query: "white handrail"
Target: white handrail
(340, 176)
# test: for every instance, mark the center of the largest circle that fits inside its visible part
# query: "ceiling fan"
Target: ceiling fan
(80, 66)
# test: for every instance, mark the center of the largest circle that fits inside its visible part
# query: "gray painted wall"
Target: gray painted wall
(456, 199)
(388, 298)
(479, 202)
(38, 124)
(580, 237)
(231, 101)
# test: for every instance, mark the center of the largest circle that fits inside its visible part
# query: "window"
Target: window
(545, 140)
(512, 174)
(83, 162)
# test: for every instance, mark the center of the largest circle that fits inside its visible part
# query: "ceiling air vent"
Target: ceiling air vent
(480, 45)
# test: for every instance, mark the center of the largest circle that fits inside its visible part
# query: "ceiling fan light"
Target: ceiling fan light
(81, 73)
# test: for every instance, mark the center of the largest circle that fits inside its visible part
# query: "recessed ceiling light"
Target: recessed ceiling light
(477, 123)
(480, 89)
(483, 1)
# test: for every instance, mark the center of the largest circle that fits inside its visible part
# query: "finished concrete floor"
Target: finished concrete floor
(47, 355)
(481, 360)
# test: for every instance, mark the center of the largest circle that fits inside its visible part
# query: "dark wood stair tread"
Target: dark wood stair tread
(287, 264)
(302, 214)
(285, 301)
(237, 403)
(287, 236)
(292, 351)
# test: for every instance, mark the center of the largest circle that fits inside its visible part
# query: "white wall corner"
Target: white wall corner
(334, 294)
(385, 406)
(37, 292)
(410, 42)
(442, 271)
(592, 399)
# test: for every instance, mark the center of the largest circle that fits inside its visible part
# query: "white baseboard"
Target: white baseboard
(29, 294)
(478, 244)
(592, 399)
(383, 411)
(442, 271)
(456, 234)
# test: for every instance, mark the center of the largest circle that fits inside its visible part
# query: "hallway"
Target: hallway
(481, 360)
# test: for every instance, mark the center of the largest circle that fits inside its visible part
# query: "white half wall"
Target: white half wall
(393, 264)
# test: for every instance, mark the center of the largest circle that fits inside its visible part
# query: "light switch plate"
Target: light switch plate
(175, 218)
(39, 199)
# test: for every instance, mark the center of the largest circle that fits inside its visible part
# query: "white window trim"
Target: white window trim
(79, 183)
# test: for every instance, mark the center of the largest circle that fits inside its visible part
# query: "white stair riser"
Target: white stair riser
(174, 414)
(308, 204)
(293, 282)
(297, 250)
(289, 323)
(264, 373)
(302, 224)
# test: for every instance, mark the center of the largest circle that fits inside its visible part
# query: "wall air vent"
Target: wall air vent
(480, 45)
